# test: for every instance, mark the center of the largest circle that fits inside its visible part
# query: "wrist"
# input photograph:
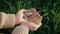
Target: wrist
(30, 25)
(16, 21)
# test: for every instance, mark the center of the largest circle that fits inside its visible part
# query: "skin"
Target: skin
(19, 16)
(32, 26)
(35, 17)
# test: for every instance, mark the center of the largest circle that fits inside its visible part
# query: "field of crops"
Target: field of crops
(49, 9)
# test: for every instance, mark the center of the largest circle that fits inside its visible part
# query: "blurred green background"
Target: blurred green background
(49, 9)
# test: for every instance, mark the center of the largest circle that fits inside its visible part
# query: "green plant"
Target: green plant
(49, 9)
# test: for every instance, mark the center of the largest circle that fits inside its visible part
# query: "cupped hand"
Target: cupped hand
(35, 17)
(19, 16)
(34, 21)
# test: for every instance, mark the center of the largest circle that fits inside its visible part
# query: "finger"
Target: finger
(20, 12)
(38, 14)
(34, 13)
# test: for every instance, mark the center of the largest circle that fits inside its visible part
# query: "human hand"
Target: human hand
(35, 17)
(19, 16)
(34, 21)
